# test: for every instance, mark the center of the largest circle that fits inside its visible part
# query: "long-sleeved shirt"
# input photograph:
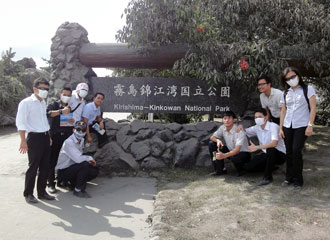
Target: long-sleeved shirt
(71, 153)
(31, 115)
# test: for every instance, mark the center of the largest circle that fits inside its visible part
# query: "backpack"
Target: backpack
(305, 89)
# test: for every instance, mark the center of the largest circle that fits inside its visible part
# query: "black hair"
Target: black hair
(285, 72)
(39, 81)
(229, 114)
(66, 89)
(268, 80)
(261, 110)
(98, 93)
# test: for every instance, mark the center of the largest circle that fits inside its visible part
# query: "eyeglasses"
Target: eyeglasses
(42, 88)
(292, 77)
(261, 84)
(81, 130)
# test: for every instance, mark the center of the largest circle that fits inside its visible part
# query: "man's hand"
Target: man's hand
(66, 110)
(281, 134)
(219, 155)
(92, 162)
(309, 131)
(101, 125)
(89, 139)
(50, 142)
(23, 148)
(239, 128)
(252, 147)
(219, 144)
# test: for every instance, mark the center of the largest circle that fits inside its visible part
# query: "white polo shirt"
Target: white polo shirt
(31, 115)
(273, 102)
(72, 153)
(232, 138)
(297, 112)
(266, 135)
(73, 103)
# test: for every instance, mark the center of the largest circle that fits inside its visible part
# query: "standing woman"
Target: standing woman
(296, 122)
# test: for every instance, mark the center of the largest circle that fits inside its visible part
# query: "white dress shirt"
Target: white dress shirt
(273, 102)
(266, 135)
(297, 112)
(73, 103)
(31, 115)
(91, 112)
(232, 138)
(72, 153)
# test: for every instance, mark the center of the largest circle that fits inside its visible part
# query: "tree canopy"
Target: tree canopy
(231, 40)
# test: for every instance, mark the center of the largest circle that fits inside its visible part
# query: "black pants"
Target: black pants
(266, 162)
(294, 142)
(238, 160)
(275, 120)
(38, 154)
(58, 140)
(78, 174)
(102, 139)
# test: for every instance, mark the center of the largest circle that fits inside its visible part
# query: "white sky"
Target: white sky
(27, 26)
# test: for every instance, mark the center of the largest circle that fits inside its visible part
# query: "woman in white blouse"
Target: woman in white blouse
(296, 122)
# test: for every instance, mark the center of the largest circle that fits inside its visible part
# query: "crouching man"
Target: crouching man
(236, 146)
(72, 165)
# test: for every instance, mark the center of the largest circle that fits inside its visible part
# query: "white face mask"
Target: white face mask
(83, 93)
(65, 99)
(79, 134)
(293, 82)
(259, 121)
(42, 93)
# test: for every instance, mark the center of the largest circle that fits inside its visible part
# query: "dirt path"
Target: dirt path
(118, 209)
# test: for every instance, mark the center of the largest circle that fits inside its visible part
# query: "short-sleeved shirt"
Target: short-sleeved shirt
(73, 103)
(297, 111)
(32, 116)
(91, 112)
(273, 102)
(232, 138)
(266, 135)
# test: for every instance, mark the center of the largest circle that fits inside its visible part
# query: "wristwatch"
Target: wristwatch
(60, 111)
(310, 125)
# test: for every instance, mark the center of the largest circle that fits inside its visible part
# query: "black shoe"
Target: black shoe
(286, 183)
(52, 189)
(296, 187)
(264, 182)
(241, 173)
(81, 194)
(31, 199)
(46, 196)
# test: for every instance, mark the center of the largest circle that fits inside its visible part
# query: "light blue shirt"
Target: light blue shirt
(91, 112)
(297, 112)
(72, 153)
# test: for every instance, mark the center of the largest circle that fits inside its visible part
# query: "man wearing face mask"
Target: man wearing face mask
(273, 149)
(31, 118)
(72, 165)
(61, 125)
(77, 101)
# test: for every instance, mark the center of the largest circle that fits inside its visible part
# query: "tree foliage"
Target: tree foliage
(266, 33)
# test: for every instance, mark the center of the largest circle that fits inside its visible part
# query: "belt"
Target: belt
(38, 133)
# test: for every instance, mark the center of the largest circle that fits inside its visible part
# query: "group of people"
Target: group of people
(283, 124)
(56, 137)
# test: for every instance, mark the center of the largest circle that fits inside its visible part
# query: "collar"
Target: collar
(290, 89)
(271, 92)
(74, 139)
(34, 98)
(95, 107)
(267, 126)
(232, 130)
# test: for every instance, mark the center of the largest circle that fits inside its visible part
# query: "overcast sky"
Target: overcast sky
(27, 26)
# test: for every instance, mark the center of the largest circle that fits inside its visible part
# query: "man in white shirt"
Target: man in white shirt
(72, 165)
(236, 146)
(77, 101)
(273, 148)
(31, 118)
(91, 116)
(270, 99)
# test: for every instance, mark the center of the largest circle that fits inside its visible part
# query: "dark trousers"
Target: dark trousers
(78, 174)
(294, 142)
(275, 120)
(58, 140)
(38, 154)
(102, 139)
(266, 162)
(238, 160)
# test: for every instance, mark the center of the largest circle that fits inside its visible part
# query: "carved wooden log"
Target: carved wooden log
(118, 55)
